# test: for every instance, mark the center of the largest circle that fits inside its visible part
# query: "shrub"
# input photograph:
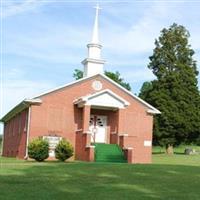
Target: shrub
(64, 150)
(38, 149)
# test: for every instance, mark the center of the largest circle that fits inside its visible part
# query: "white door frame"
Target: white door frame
(106, 117)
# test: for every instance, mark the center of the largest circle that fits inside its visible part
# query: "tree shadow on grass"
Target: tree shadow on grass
(155, 153)
(179, 153)
(161, 153)
(100, 181)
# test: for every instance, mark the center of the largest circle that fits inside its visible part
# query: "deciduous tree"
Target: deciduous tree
(115, 76)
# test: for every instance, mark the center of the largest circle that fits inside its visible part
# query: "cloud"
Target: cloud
(53, 42)
(59, 42)
(138, 75)
(12, 8)
(139, 37)
(16, 88)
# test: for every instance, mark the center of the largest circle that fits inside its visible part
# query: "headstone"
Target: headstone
(53, 141)
(189, 151)
(170, 150)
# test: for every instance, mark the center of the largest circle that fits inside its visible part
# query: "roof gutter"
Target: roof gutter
(20, 107)
(153, 112)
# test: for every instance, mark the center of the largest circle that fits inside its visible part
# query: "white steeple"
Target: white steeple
(94, 64)
(95, 36)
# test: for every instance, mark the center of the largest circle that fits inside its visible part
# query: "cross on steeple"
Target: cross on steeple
(98, 7)
(95, 36)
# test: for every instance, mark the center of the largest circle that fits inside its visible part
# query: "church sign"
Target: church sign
(53, 141)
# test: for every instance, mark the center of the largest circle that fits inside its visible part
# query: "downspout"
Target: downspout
(28, 132)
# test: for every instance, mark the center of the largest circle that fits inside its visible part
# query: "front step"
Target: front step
(109, 153)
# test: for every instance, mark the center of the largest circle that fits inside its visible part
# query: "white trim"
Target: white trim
(28, 132)
(87, 132)
(155, 111)
(94, 45)
(85, 99)
(37, 100)
(147, 143)
(79, 130)
(128, 148)
(93, 60)
(152, 112)
(90, 146)
(123, 135)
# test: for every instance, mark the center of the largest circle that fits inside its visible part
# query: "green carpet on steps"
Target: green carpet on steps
(109, 153)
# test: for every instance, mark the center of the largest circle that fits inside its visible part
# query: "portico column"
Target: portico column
(86, 118)
(121, 121)
(86, 124)
(88, 149)
(121, 126)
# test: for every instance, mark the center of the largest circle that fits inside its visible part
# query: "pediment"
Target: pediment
(104, 98)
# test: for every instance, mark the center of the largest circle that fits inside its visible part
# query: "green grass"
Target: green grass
(177, 150)
(169, 178)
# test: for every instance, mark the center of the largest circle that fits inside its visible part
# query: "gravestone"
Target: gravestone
(189, 151)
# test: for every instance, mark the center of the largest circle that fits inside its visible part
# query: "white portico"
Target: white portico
(105, 99)
(102, 106)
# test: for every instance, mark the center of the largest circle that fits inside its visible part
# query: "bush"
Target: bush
(64, 150)
(38, 149)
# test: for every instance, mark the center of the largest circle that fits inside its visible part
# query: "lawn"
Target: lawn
(168, 178)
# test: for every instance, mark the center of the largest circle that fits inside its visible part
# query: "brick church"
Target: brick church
(101, 119)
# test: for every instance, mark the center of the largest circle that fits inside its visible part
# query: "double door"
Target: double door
(98, 128)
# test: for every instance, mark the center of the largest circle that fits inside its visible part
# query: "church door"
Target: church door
(98, 124)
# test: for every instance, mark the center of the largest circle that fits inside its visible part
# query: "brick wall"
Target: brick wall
(15, 134)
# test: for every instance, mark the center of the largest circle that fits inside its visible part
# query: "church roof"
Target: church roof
(20, 107)
(36, 99)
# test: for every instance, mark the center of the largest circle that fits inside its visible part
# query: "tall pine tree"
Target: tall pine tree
(175, 92)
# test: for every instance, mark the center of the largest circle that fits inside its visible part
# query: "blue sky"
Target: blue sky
(44, 41)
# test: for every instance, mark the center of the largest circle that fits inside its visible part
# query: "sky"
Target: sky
(42, 42)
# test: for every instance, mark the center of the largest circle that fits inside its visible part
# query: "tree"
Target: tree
(145, 89)
(115, 76)
(78, 74)
(175, 92)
